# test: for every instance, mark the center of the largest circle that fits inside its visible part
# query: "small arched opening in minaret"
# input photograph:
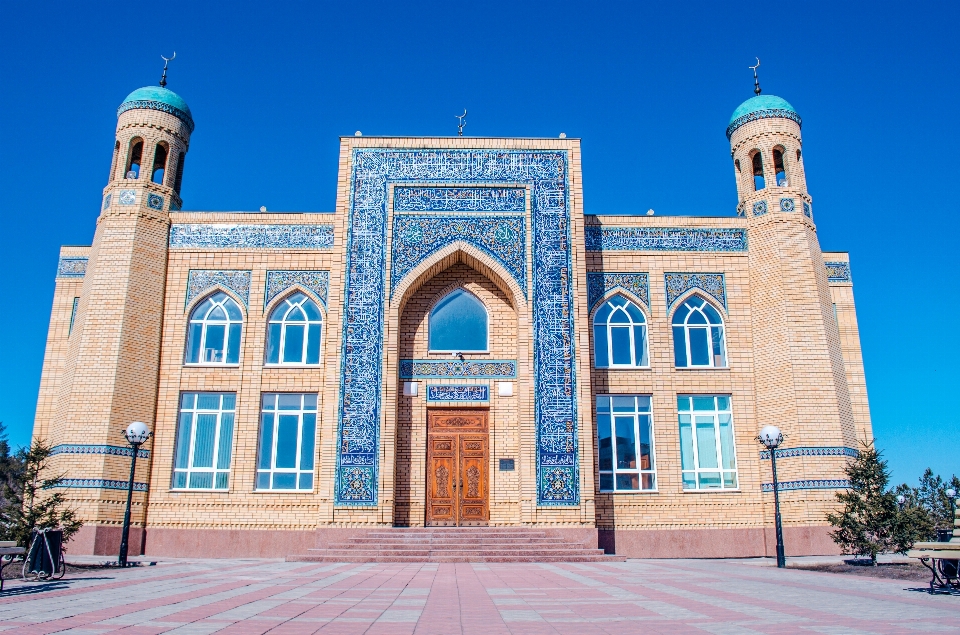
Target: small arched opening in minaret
(113, 163)
(179, 177)
(159, 163)
(134, 157)
(779, 167)
(758, 180)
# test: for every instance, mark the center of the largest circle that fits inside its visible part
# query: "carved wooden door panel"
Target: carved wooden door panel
(457, 464)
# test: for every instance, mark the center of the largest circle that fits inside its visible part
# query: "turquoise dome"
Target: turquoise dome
(158, 98)
(761, 107)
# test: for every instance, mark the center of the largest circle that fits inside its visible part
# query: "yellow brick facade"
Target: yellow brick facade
(792, 359)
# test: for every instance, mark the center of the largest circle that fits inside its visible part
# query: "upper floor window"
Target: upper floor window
(698, 335)
(201, 459)
(458, 323)
(620, 335)
(708, 458)
(758, 181)
(293, 332)
(213, 336)
(625, 443)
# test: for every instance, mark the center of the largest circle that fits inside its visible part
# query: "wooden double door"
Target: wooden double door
(458, 456)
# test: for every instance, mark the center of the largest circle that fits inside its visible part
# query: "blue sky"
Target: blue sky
(649, 87)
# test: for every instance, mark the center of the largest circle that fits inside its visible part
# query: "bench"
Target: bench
(8, 551)
(942, 558)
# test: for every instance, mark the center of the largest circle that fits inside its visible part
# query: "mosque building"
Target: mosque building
(459, 344)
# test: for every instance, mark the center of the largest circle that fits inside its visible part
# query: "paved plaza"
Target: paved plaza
(723, 597)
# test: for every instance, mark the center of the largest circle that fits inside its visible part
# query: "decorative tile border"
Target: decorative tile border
(201, 280)
(101, 483)
(72, 267)
(664, 239)
(106, 201)
(811, 451)
(459, 199)
(712, 284)
(555, 407)
(787, 205)
(779, 113)
(838, 272)
(601, 283)
(786, 486)
(459, 393)
(154, 201)
(807, 211)
(226, 236)
(759, 208)
(114, 450)
(317, 282)
(151, 104)
(431, 369)
(416, 237)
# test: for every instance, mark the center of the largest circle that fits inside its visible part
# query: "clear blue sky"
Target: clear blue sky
(649, 87)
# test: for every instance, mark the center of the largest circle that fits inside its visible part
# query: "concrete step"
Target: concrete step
(358, 558)
(457, 552)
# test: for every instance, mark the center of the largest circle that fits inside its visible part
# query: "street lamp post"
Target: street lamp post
(771, 438)
(136, 435)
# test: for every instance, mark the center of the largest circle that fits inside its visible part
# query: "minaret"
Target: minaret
(801, 384)
(109, 375)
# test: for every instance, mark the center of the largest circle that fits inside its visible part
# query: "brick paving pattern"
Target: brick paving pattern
(634, 597)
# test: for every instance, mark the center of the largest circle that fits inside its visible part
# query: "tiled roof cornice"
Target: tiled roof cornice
(780, 113)
(151, 104)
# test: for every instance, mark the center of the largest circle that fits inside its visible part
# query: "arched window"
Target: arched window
(134, 158)
(698, 335)
(159, 164)
(294, 331)
(458, 323)
(179, 177)
(213, 336)
(620, 335)
(758, 182)
(779, 169)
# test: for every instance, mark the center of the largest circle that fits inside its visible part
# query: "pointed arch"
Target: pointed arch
(458, 321)
(294, 330)
(214, 329)
(620, 333)
(699, 338)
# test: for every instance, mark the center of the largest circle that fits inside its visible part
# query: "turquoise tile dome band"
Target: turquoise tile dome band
(158, 98)
(761, 107)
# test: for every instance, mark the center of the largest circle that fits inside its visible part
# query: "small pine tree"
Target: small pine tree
(932, 496)
(31, 501)
(871, 523)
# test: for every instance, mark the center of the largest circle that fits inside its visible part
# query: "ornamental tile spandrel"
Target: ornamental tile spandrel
(200, 281)
(599, 284)
(316, 282)
(678, 283)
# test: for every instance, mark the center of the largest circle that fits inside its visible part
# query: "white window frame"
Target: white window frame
(228, 324)
(636, 414)
(486, 312)
(695, 452)
(297, 471)
(631, 325)
(708, 326)
(286, 306)
(215, 470)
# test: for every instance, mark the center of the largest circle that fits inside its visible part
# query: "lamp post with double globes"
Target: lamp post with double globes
(136, 435)
(771, 438)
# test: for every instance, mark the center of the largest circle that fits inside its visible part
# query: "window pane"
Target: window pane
(686, 443)
(696, 317)
(709, 480)
(226, 441)
(603, 314)
(719, 355)
(233, 350)
(203, 443)
(295, 315)
(699, 350)
(310, 401)
(307, 440)
(284, 481)
(680, 315)
(706, 443)
(458, 323)
(726, 442)
(293, 344)
(703, 403)
(723, 403)
(289, 401)
(263, 480)
(606, 482)
(635, 314)
(640, 345)
(605, 442)
(603, 403)
(306, 481)
(624, 404)
(287, 441)
(201, 480)
(273, 343)
(266, 441)
(229, 399)
(310, 308)
(729, 479)
(679, 347)
(233, 310)
(626, 443)
(619, 317)
(269, 401)
(179, 479)
(628, 482)
(712, 314)
(620, 338)
(187, 400)
(193, 343)
(213, 346)
(183, 440)
(600, 346)
(208, 401)
(646, 455)
(648, 481)
(222, 480)
(218, 314)
(689, 480)
(683, 403)
(313, 344)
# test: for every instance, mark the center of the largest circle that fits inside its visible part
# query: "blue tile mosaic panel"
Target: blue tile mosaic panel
(226, 236)
(786, 486)
(807, 211)
(416, 237)
(838, 271)
(199, 281)
(154, 201)
(113, 450)
(106, 201)
(432, 369)
(459, 199)
(101, 483)
(787, 205)
(72, 267)
(316, 282)
(759, 208)
(458, 393)
(812, 451)
(710, 283)
(664, 239)
(599, 284)
(127, 197)
(555, 407)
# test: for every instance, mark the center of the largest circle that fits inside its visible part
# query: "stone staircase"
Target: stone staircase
(456, 544)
